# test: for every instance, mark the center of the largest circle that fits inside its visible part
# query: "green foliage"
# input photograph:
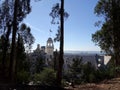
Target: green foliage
(104, 74)
(80, 73)
(12, 12)
(76, 66)
(46, 77)
(103, 38)
(26, 35)
(22, 65)
(109, 34)
(23, 77)
(117, 69)
(40, 64)
(88, 73)
(55, 14)
(75, 71)
(103, 8)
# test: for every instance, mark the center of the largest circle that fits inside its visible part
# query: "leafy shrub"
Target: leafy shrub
(46, 77)
(23, 77)
(87, 73)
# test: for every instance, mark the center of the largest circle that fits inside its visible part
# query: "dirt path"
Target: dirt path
(113, 84)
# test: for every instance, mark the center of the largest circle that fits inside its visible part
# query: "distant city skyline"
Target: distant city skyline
(79, 27)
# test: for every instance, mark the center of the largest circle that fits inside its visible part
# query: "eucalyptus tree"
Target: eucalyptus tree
(109, 34)
(12, 12)
(24, 32)
(5, 28)
(20, 10)
(58, 15)
(24, 39)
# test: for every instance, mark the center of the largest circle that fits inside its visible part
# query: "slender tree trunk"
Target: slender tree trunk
(61, 60)
(17, 51)
(13, 50)
(55, 60)
(5, 49)
(113, 16)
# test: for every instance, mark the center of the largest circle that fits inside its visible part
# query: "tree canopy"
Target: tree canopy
(108, 36)
(12, 13)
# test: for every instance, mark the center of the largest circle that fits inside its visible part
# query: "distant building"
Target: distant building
(47, 53)
(49, 47)
(37, 50)
(102, 60)
(43, 48)
(106, 59)
(42, 53)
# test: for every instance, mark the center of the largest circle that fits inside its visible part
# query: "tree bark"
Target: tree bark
(13, 50)
(61, 60)
(5, 49)
(116, 32)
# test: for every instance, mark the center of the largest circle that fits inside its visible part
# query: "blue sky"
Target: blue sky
(78, 27)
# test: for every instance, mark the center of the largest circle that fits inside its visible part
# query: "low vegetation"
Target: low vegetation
(86, 73)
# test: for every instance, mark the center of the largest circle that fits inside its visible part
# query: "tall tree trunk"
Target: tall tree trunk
(116, 32)
(17, 51)
(5, 49)
(13, 50)
(61, 60)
